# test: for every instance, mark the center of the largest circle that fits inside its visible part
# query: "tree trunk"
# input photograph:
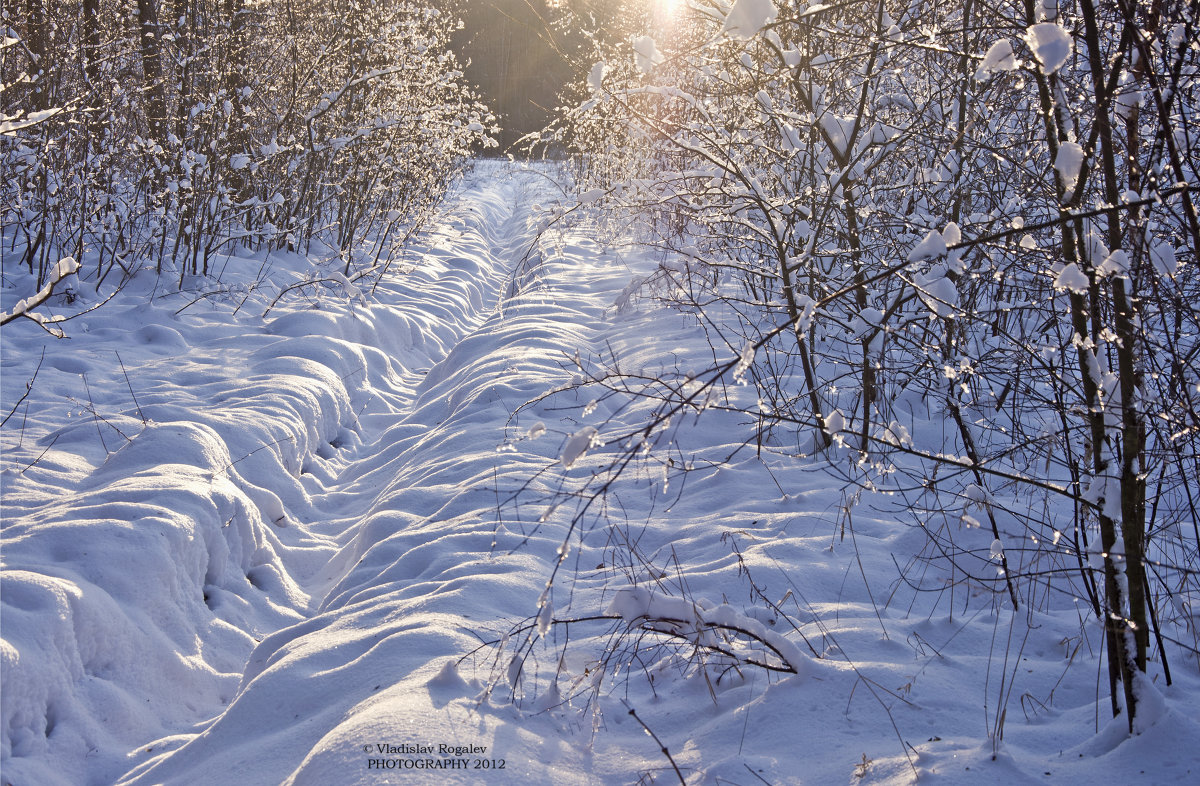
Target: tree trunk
(38, 49)
(152, 73)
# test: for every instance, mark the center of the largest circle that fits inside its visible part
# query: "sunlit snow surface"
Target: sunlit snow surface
(263, 552)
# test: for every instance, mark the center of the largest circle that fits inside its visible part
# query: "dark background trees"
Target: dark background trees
(517, 59)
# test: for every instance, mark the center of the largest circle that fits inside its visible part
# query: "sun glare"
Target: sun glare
(670, 8)
(667, 12)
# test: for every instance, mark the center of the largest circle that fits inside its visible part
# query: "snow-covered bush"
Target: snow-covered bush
(955, 244)
(224, 124)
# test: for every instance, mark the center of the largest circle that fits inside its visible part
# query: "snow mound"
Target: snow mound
(286, 550)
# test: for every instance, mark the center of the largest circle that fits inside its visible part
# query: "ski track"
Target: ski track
(281, 564)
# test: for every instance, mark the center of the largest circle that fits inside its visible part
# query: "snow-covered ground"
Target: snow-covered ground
(313, 547)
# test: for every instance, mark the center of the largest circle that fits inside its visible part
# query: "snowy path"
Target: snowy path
(396, 504)
(264, 451)
(261, 556)
(419, 575)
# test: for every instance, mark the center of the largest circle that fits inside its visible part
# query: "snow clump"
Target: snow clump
(645, 54)
(933, 246)
(1051, 45)
(748, 17)
(999, 57)
(578, 445)
(596, 77)
(1068, 163)
(1072, 278)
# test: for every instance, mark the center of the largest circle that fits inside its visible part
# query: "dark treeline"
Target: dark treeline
(516, 59)
(524, 55)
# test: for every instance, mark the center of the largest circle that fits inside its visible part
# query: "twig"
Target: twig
(230, 465)
(43, 453)
(28, 389)
(96, 415)
(130, 386)
(633, 714)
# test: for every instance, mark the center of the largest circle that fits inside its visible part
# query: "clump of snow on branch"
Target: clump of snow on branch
(578, 445)
(999, 57)
(1073, 279)
(645, 54)
(1162, 256)
(745, 361)
(931, 247)
(747, 17)
(1068, 163)
(1051, 45)
(596, 77)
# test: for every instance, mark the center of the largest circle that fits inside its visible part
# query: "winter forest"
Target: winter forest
(599, 392)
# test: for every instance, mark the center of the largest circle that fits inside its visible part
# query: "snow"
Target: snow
(937, 292)
(62, 269)
(838, 130)
(645, 54)
(1126, 101)
(1073, 279)
(1069, 162)
(596, 76)
(700, 620)
(262, 550)
(745, 362)
(835, 422)
(999, 57)
(1052, 45)
(10, 124)
(746, 18)
(933, 245)
(592, 195)
(1115, 264)
(1162, 256)
(577, 445)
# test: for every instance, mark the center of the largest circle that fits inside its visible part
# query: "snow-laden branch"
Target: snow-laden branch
(24, 308)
